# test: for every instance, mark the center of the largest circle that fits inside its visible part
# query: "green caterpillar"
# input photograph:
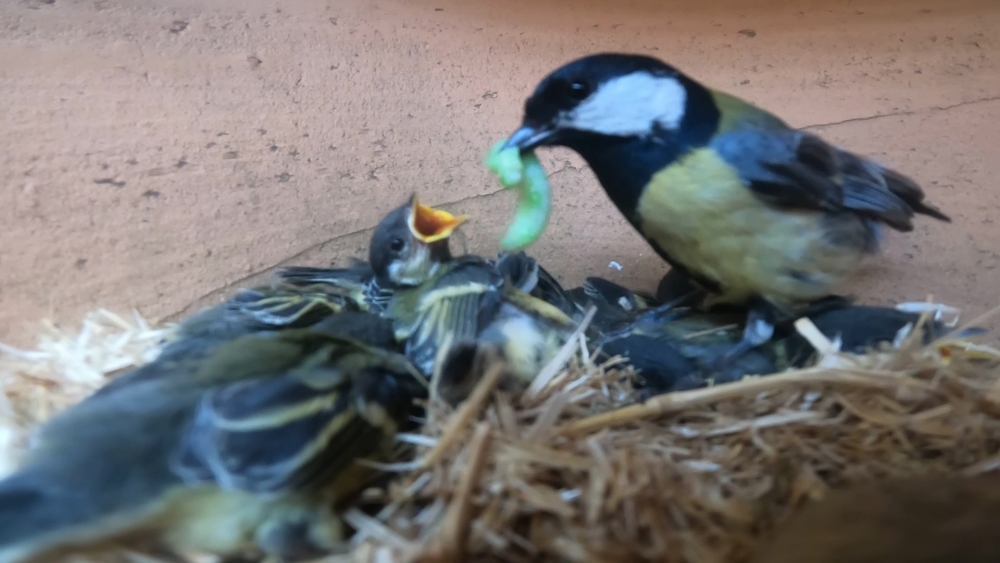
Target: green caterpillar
(523, 173)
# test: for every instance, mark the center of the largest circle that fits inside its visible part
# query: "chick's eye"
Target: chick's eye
(578, 90)
(396, 244)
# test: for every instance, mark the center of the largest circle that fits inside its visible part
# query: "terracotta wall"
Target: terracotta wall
(158, 153)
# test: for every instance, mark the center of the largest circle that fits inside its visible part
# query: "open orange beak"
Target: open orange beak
(431, 225)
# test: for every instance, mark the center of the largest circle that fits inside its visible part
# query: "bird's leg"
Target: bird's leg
(761, 318)
(675, 284)
(658, 313)
(818, 306)
(676, 291)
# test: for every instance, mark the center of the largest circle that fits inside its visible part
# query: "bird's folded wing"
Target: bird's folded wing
(450, 309)
(795, 169)
(289, 432)
(356, 274)
(519, 269)
(452, 316)
(869, 186)
(284, 308)
(784, 167)
(357, 282)
(551, 291)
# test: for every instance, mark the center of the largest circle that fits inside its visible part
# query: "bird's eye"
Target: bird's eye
(396, 244)
(579, 90)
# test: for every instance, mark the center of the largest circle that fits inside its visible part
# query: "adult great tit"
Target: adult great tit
(249, 449)
(753, 211)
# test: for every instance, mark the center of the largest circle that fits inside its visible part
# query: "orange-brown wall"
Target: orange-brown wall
(158, 153)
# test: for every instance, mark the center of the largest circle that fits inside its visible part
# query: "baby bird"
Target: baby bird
(251, 448)
(408, 245)
(669, 346)
(473, 304)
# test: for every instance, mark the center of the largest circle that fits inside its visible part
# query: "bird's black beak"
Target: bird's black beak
(527, 138)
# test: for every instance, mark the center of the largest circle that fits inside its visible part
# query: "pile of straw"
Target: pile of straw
(66, 366)
(576, 470)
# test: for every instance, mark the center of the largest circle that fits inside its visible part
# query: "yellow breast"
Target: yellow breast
(700, 212)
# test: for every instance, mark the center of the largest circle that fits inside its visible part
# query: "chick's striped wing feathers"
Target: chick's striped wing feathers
(356, 281)
(244, 437)
(796, 169)
(551, 291)
(211, 345)
(519, 269)
(253, 310)
(449, 307)
(299, 429)
(352, 276)
(285, 308)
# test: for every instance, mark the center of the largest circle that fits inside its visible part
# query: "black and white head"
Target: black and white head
(605, 95)
(409, 245)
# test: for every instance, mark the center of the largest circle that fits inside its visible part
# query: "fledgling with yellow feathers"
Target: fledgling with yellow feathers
(242, 435)
(251, 448)
(407, 246)
(476, 305)
(754, 211)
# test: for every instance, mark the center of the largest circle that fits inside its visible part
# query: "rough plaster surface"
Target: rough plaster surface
(158, 153)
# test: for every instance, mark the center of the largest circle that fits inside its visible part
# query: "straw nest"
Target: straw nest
(575, 469)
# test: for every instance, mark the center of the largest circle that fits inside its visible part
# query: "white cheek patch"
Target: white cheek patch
(630, 105)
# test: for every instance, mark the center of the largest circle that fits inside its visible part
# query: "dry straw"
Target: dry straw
(576, 470)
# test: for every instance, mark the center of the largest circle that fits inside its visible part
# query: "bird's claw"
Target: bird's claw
(709, 368)
(663, 313)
